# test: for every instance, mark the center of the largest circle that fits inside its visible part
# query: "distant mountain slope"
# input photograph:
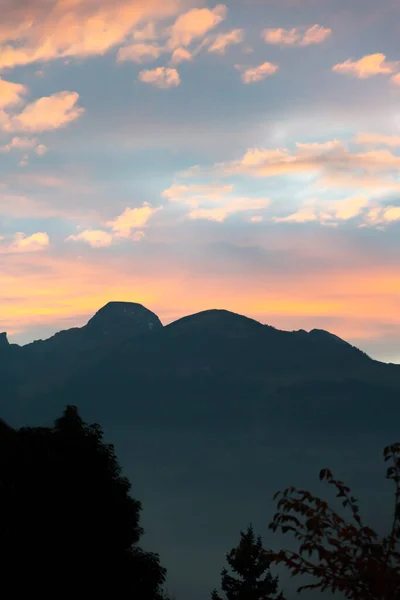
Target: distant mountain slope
(37, 367)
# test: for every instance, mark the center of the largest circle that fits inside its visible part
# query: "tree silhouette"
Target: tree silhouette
(250, 560)
(68, 524)
(343, 556)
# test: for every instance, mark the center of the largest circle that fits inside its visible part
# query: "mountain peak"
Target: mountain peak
(4, 343)
(216, 320)
(123, 316)
(322, 334)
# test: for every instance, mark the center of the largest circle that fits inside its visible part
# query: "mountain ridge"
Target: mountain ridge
(124, 347)
(122, 312)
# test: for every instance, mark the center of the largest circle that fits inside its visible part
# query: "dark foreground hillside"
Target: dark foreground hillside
(210, 416)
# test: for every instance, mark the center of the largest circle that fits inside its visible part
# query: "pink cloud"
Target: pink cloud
(24, 160)
(11, 93)
(315, 35)
(139, 53)
(22, 243)
(180, 55)
(230, 206)
(41, 150)
(327, 213)
(18, 143)
(199, 198)
(281, 36)
(95, 238)
(368, 66)
(195, 24)
(47, 113)
(193, 195)
(148, 32)
(377, 139)
(350, 207)
(255, 74)
(224, 40)
(384, 215)
(264, 162)
(318, 147)
(298, 36)
(162, 77)
(303, 215)
(72, 29)
(132, 218)
(138, 235)
(396, 79)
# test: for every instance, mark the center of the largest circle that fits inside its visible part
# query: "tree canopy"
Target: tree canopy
(68, 521)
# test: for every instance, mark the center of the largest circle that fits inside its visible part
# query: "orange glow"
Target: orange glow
(75, 289)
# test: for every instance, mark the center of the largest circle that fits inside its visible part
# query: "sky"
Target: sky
(191, 155)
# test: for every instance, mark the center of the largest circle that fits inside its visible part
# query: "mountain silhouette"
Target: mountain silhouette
(113, 323)
(210, 415)
(124, 346)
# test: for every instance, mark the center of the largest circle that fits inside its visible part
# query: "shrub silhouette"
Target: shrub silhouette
(343, 556)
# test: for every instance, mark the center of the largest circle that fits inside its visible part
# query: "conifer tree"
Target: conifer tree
(250, 561)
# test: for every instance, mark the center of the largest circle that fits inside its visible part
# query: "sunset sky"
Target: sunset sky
(190, 155)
